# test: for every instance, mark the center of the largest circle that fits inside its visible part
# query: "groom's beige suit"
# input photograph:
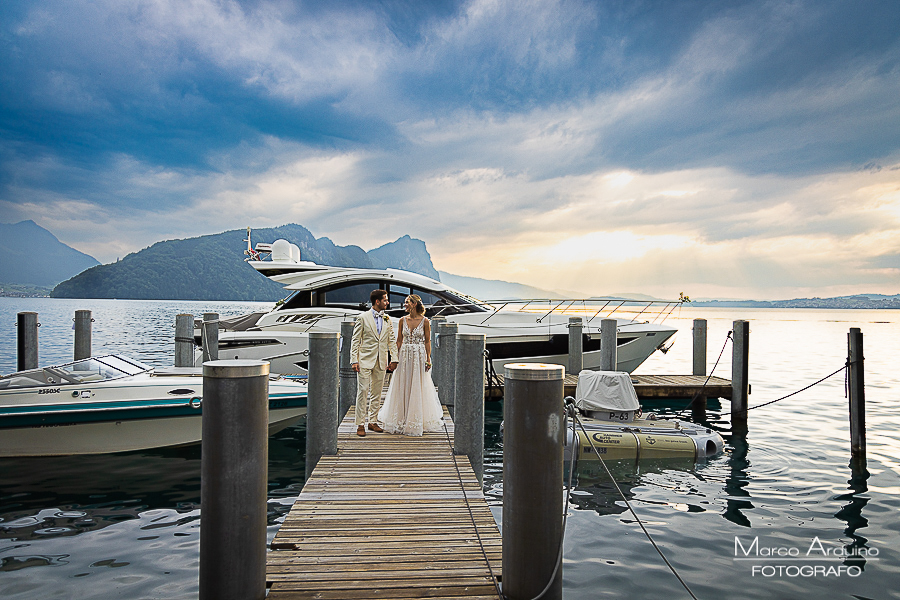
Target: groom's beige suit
(371, 350)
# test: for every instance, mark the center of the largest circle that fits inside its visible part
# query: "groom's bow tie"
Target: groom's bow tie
(378, 313)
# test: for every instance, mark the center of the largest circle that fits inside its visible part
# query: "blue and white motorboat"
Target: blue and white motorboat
(116, 404)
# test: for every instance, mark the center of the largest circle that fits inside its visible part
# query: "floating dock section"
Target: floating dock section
(389, 516)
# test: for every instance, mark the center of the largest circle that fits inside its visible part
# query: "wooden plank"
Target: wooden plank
(388, 517)
(650, 386)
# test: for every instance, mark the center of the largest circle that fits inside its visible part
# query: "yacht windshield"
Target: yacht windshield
(89, 370)
(355, 295)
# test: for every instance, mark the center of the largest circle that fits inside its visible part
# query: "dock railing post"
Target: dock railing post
(348, 375)
(698, 408)
(447, 384)
(83, 322)
(322, 397)
(184, 340)
(857, 394)
(27, 340)
(576, 349)
(210, 336)
(533, 503)
(740, 385)
(468, 420)
(233, 480)
(608, 344)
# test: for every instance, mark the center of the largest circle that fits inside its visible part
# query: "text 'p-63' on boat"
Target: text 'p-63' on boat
(116, 404)
(322, 296)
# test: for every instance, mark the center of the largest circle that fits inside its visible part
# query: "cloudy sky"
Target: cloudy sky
(727, 149)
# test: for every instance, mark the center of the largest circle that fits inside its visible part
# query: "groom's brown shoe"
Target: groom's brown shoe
(374, 427)
(361, 431)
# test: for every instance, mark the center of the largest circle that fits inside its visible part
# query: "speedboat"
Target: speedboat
(322, 296)
(116, 404)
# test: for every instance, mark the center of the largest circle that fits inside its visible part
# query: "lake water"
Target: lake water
(127, 525)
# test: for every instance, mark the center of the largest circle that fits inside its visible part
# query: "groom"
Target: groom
(373, 335)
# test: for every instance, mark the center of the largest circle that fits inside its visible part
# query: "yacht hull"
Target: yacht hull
(288, 351)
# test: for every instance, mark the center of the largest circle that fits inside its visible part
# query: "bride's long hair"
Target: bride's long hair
(417, 303)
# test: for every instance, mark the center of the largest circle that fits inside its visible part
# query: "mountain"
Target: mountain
(33, 256)
(212, 267)
(863, 301)
(406, 253)
(494, 289)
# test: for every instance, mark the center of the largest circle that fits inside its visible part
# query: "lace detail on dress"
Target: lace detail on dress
(411, 405)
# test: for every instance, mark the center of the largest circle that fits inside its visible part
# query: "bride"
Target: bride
(411, 404)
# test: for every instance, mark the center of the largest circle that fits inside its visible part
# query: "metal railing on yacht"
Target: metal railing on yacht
(591, 309)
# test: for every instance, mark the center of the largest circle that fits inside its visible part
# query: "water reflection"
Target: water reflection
(594, 490)
(851, 513)
(737, 482)
(47, 497)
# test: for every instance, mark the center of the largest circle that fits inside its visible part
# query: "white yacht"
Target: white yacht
(521, 330)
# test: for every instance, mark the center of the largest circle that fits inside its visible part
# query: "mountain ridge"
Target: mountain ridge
(33, 256)
(212, 267)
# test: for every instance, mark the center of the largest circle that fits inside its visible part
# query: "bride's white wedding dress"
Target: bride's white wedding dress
(411, 404)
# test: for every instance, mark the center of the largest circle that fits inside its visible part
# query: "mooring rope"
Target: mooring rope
(471, 514)
(628, 504)
(481, 544)
(708, 377)
(845, 367)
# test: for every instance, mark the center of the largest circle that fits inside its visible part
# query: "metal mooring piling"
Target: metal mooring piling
(27, 340)
(83, 322)
(322, 397)
(233, 480)
(576, 348)
(608, 344)
(740, 372)
(533, 439)
(698, 408)
(184, 340)
(348, 375)
(468, 435)
(857, 393)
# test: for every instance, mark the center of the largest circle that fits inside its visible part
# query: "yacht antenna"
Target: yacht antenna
(253, 254)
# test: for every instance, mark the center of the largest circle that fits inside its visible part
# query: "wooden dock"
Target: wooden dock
(387, 517)
(649, 386)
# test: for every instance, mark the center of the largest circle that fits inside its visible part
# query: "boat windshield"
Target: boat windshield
(355, 295)
(89, 370)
